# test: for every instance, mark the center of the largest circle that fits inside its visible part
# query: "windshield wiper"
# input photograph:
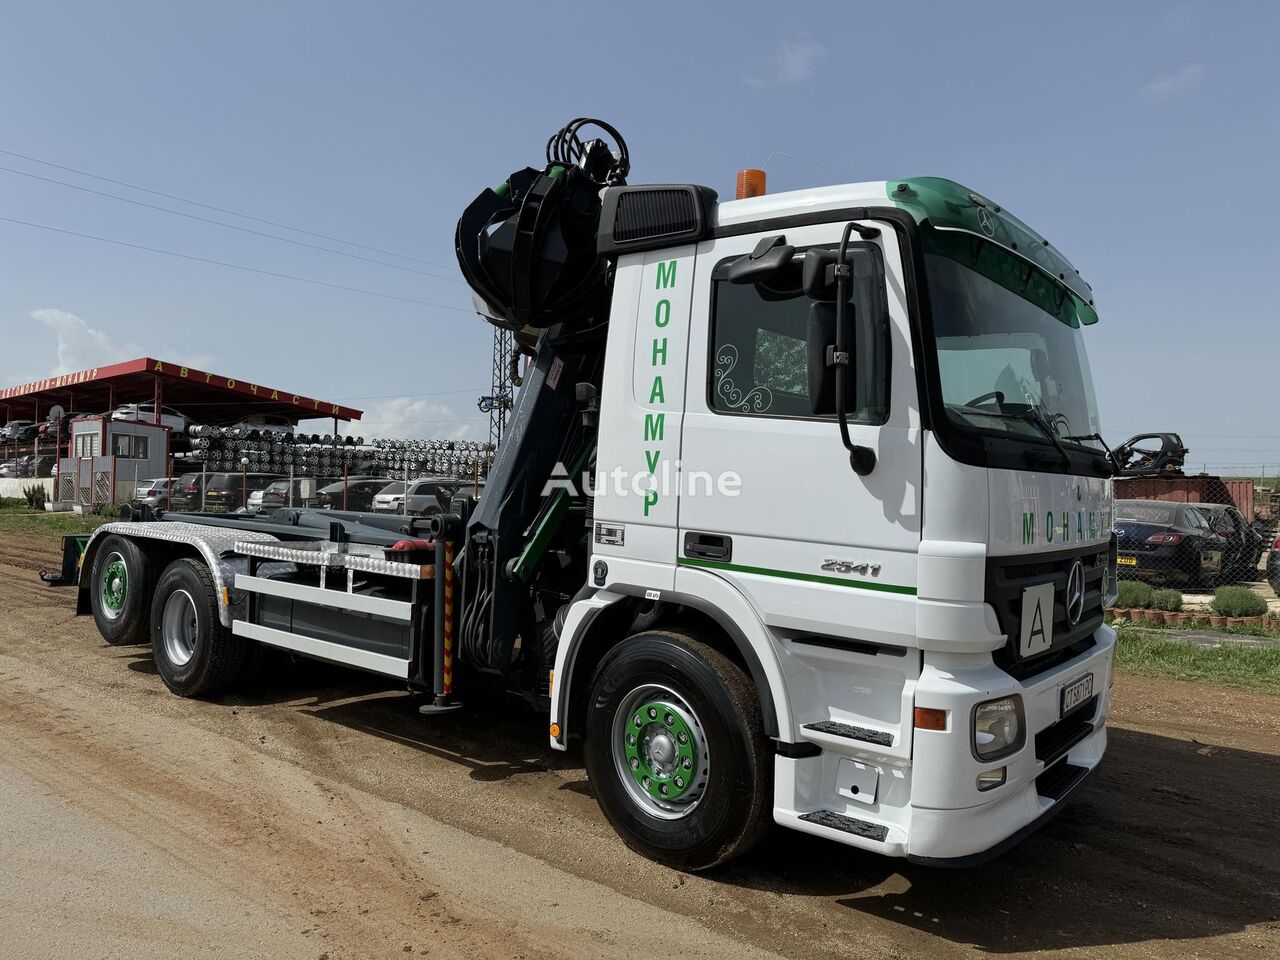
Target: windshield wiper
(1115, 464)
(1034, 416)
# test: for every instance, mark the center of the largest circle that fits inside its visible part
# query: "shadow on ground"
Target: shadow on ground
(1172, 840)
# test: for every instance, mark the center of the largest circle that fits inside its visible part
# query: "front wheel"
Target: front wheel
(676, 752)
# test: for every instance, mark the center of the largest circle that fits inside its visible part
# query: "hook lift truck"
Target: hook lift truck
(802, 515)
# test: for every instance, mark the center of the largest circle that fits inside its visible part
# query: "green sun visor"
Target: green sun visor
(966, 227)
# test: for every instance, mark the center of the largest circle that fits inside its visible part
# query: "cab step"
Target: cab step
(845, 824)
(835, 728)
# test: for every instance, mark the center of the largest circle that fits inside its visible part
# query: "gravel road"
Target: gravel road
(315, 814)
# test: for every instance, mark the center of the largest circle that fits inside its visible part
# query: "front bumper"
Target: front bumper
(923, 803)
(950, 817)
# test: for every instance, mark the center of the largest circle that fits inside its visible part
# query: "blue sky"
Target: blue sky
(1141, 138)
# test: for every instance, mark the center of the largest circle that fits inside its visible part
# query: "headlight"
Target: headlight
(998, 728)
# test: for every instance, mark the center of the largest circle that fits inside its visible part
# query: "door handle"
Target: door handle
(708, 546)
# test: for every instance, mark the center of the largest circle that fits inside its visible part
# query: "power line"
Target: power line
(434, 393)
(233, 266)
(232, 213)
(229, 226)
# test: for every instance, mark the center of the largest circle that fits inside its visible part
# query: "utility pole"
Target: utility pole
(498, 401)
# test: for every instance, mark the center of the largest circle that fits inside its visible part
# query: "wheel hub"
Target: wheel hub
(115, 585)
(661, 750)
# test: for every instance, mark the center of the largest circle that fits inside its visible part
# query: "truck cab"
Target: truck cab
(927, 637)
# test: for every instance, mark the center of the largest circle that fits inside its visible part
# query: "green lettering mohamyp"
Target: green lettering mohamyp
(1028, 528)
(651, 459)
(1048, 527)
(659, 352)
(656, 393)
(654, 425)
(662, 315)
(667, 275)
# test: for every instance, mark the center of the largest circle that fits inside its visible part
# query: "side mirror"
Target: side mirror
(819, 275)
(820, 356)
(771, 256)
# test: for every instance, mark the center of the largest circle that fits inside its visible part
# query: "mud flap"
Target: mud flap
(73, 546)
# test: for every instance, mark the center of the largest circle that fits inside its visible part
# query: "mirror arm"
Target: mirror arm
(862, 459)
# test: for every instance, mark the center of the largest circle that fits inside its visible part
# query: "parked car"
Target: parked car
(154, 493)
(53, 428)
(146, 412)
(18, 431)
(8, 469)
(1162, 542)
(1243, 545)
(33, 466)
(360, 492)
(184, 496)
(426, 496)
(305, 493)
(225, 492)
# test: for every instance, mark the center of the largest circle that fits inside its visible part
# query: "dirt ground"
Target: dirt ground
(316, 815)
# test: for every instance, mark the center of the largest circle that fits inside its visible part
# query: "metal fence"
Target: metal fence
(1183, 538)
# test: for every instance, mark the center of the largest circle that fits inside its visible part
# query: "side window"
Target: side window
(128, 447)
(759, 355)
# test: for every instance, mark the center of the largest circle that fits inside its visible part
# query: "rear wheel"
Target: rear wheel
(675, 750)
(195, 654)
(120, 591)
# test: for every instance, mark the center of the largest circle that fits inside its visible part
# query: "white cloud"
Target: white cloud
(408, 418)
(1183, 80)
(80, 346)
(794, 62)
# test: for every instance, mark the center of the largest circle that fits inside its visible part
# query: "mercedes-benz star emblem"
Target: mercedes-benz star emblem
(985, 222)
(1075, 593)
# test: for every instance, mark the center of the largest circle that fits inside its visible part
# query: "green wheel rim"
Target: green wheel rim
(114, 586)
(660, 751)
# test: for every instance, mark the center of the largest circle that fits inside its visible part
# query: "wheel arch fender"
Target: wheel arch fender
(163, 546)
(607, 612)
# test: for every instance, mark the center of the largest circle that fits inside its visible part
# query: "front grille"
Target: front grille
(1057, 739)
(1007, 577)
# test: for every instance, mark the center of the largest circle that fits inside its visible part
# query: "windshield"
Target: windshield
(1005, 363)
(396, 486)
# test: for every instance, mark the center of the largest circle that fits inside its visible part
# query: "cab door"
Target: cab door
(768, 500)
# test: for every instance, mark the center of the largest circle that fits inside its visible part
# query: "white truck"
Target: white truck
(803, 515)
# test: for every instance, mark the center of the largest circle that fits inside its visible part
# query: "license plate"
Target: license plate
(1076, 693)
(1127, 561)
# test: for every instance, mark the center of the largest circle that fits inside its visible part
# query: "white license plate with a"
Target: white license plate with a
(1075, 693)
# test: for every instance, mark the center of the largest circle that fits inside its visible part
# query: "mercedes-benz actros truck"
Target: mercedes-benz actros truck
(802, 516)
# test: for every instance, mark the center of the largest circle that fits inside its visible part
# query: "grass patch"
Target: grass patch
(1247, 668)
(25, 520)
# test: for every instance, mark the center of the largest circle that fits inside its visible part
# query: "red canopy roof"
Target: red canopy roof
(202, 396)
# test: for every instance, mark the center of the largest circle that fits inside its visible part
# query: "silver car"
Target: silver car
(426, 496)
(154, 493)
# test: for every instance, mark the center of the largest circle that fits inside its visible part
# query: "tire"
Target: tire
(195, 654)
(120, 588)
(695, 691)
